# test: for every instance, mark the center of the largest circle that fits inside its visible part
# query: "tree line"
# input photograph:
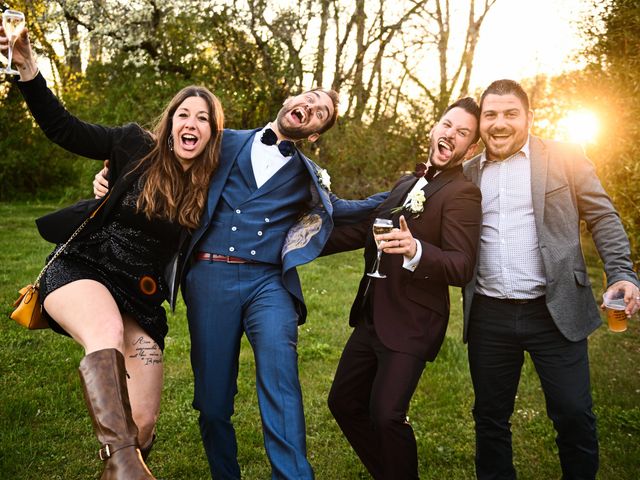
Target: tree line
(391, 61)
(116, 61)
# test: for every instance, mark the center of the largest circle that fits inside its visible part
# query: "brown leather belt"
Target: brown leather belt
(214, 257)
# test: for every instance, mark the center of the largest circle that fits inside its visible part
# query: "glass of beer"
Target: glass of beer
(614, 305)
(380, 226)
(13, 23)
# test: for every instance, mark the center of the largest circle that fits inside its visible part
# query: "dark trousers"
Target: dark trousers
(499, 334)
(369, 399)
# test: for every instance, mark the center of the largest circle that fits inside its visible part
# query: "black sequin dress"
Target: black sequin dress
(127, 255)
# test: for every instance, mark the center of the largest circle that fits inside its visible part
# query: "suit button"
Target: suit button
(259, 233)
(267, 219)
(253, 252)
(233, 229)
(238, 210)
(232, 249)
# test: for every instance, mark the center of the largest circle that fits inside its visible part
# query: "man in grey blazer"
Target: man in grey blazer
(530, 291)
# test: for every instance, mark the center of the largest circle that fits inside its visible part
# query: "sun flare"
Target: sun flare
(579, 126)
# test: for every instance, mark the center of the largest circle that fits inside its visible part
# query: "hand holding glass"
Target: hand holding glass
(380, 226)
(13, 23)
(616, 316)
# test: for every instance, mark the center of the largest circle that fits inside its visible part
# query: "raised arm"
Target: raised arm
(60, 126)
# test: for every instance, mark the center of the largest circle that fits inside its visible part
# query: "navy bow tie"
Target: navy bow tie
(286, 147)
(423, 171)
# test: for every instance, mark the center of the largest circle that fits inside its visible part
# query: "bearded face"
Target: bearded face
(451, 138)
(504, 125)
(304, 115)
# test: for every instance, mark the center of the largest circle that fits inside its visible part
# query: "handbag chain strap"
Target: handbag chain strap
(36, 284)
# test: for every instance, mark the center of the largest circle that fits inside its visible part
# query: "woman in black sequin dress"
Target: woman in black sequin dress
(107, 287)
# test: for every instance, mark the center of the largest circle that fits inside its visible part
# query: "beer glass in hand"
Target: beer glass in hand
(380, 226)
(13, 23)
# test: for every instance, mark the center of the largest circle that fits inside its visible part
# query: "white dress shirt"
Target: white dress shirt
(266, 160)
(509, 263)
(412, 263)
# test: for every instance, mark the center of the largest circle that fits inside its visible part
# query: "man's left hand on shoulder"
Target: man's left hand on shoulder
(399, 241)
(631, 296)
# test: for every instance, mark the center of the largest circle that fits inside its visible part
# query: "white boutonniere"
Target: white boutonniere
(416, 201)
(324, 179)
(414, 204)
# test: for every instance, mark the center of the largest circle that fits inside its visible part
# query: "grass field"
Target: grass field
(46, 433)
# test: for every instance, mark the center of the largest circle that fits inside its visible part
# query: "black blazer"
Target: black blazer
(123, 146)
(411, 309)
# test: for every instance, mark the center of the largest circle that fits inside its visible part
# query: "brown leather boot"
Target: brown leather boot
(104, 382)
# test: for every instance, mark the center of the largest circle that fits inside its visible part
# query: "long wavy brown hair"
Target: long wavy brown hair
(169, 191)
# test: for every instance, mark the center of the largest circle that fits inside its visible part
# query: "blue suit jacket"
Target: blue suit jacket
(306, 239)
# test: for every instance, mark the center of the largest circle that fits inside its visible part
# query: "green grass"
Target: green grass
(46, 433)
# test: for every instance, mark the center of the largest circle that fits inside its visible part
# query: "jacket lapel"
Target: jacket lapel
(539, 164)
(318, 193)
(440, 181)
(396, 197)
(246, 165)
(471, 169)
(232, 144)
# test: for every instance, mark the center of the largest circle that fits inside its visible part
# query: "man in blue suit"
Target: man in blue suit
(269, 210)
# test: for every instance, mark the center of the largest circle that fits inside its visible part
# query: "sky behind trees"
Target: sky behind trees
(523, 38)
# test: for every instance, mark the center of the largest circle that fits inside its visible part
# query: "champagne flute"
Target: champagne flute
(380, 226)
(13, 23)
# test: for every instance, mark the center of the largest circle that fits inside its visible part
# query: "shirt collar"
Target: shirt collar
(524, 150)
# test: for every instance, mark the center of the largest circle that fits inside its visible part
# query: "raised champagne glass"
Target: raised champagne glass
(380, 226)
(13, 23)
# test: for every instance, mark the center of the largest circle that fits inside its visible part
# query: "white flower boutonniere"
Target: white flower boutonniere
(324, 179)
(416, 201)
(414, 204)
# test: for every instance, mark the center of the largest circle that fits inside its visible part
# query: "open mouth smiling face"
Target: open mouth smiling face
(452, 137)
(504, 125)
(305, 115)
(191, 129)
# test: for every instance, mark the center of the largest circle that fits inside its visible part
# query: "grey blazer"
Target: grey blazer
(565, 190)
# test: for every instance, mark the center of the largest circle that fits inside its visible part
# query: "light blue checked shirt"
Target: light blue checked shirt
(509, 263)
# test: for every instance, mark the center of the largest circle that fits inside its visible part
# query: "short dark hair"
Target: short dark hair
(506, 87)
(470, 106)
(335, 100)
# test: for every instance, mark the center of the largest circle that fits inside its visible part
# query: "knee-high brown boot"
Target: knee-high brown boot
(104, 381)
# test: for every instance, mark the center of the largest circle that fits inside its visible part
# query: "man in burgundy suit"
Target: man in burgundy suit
(400, 321)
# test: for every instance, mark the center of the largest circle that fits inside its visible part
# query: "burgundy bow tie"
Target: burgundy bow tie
(286, 147)
(422, 170)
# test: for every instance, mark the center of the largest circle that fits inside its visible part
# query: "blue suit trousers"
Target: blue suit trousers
(223, 302)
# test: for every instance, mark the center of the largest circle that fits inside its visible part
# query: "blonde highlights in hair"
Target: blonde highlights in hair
(170, 192)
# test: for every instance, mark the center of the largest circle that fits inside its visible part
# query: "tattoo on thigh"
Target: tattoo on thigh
(147, 351)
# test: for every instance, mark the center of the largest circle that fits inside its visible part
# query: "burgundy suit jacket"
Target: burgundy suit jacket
(411, 309)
